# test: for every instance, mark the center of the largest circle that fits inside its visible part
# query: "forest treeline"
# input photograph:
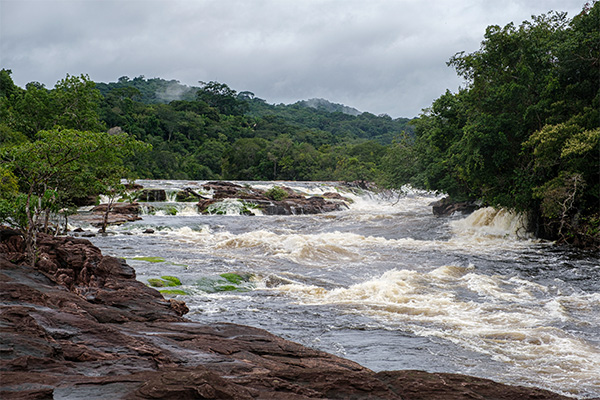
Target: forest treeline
(522, 133)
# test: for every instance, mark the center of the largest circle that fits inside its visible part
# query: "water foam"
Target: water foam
(493, 223)
(511, 320)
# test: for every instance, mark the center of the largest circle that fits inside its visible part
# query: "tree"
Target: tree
(59, 164)
(221, 97)
(77, 102)
(523, 133)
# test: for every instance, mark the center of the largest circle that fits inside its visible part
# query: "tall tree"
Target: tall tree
(221, 97)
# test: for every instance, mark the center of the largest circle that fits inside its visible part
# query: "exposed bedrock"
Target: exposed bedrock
(290, 203)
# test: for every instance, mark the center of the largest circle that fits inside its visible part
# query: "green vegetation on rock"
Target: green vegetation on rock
(149, 259)
(173, 292)
(164, 281)
(174, 281)
(226, 282)
(276, 193)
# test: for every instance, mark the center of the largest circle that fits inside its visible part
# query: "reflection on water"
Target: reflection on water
(387, 284)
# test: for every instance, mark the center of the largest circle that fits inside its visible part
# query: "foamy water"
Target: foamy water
(387, 284)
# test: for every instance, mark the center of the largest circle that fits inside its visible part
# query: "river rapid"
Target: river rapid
(384, 283)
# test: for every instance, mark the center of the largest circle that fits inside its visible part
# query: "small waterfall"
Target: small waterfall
(169, 208)
(171, 196)
(229, 207)
(492, 222)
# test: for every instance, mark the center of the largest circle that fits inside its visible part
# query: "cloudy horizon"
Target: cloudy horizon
(381, 56)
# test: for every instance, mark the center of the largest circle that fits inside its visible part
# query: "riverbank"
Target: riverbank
(80, 325)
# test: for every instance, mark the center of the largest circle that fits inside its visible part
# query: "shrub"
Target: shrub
(276, 193)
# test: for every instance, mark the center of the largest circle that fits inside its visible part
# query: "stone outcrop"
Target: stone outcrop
(119, 214)
(79, 325)
(293, 203)
(447, 207)
(152, 195)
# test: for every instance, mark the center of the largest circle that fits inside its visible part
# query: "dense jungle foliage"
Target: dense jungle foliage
(522, 133)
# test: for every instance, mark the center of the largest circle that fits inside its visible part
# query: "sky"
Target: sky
(381, 56)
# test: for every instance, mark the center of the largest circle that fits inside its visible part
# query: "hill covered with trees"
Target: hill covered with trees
(220, 133)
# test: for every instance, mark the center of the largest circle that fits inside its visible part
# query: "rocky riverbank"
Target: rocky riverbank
(79, 325)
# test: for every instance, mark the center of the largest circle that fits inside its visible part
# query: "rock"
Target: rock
(133, 186)
(149, 230)
(119, 208)
(447, 207)
(420, 385)
(79, 325)
(120, 213)
(293, 204)
(188, 194)
(152, 195)
(336, 196)
(84, 201)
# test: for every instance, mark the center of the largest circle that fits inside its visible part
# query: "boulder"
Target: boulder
(447, 207)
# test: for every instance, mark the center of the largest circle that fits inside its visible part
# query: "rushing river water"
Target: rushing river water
(385, 283)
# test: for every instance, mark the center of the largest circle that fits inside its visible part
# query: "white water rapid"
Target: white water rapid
(384, 283)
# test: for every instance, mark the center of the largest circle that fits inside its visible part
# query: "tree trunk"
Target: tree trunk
(105, 217)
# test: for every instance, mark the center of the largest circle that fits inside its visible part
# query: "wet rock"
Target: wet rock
(85, 201)
(152, 195)
(119, 208)
(420, 385)
(188, 194)
(447, 207)
(119, 214)
(293, 204)
(133, 186)
(79, 325)
(336, 196)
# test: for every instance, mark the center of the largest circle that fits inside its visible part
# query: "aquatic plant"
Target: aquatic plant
(164, 281)
(149, 259)
(172, 279)
(173, 292)
(171, 210)
(227, 282)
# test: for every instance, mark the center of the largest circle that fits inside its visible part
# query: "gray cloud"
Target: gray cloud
(381, 56)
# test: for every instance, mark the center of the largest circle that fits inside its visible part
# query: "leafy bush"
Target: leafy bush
(276, 193)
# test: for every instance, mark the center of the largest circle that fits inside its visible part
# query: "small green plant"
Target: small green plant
(276, 193)
(155, 282)
(172, 279)
(164, 281)
(171, 211)
(233, 278)
(150, 259)
(227, 282)
(173, 291)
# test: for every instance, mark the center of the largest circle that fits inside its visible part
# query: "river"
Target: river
(384, 283)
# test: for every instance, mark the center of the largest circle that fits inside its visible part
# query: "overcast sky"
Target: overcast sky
(381, 56)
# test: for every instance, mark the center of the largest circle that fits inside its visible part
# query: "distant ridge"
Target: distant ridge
(326, 105)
